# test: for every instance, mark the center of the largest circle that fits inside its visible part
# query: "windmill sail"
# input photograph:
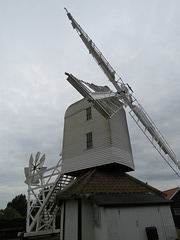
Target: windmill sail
(124, 93)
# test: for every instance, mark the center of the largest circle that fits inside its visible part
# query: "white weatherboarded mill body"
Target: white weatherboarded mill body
(110, 142)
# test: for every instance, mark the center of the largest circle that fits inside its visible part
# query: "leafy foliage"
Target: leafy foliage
(19, 203)
(9, 213)
(15, 209)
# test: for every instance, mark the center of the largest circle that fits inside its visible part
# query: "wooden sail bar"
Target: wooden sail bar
(124, 93)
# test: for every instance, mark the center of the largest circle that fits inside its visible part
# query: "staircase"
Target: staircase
(43, 208)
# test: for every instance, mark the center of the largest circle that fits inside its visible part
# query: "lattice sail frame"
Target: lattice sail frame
(124, 91)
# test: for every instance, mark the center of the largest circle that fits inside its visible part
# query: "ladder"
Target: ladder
(43, 208)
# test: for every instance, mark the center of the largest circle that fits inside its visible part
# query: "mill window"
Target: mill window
(88, 113)
(89, 140)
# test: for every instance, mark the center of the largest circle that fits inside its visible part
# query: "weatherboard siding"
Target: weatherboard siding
(111, 142)
(70, 220)
(130, 223)
(114, 223)
(87, 214)
(121, 146)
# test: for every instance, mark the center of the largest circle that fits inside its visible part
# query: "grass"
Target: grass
(178, 233)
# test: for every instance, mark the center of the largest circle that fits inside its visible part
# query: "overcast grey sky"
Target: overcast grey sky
(37, 45)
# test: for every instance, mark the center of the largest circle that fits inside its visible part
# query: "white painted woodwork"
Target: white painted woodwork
(118, 223)
(71, 220)
(111, 143)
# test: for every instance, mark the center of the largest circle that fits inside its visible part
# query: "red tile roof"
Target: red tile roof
(171, 192)
(104, 181)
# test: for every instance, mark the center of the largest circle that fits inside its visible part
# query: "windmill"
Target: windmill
(43, 185)
(123, 96)
(34, 173)
(108, 107)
